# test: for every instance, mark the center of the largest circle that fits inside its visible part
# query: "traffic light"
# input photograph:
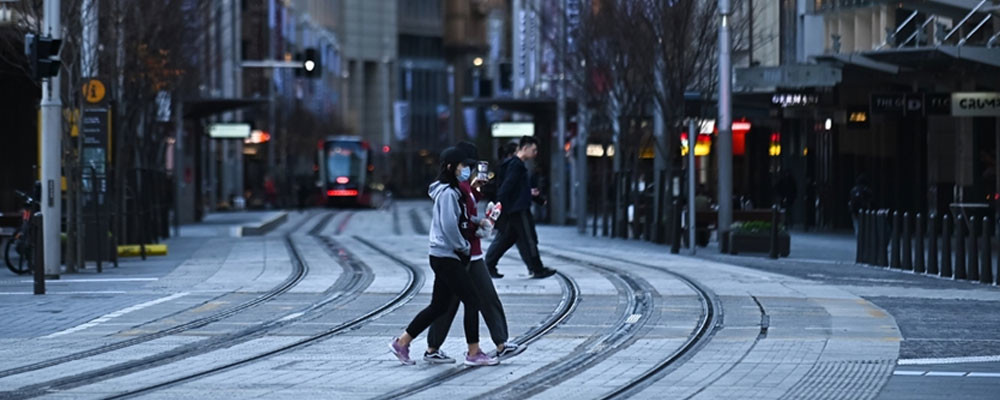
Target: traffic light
(311, 63)
(43, 56)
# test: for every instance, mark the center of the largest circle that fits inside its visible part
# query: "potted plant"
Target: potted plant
(755, 237)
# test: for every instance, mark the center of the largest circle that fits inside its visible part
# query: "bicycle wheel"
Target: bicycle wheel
(16, 260)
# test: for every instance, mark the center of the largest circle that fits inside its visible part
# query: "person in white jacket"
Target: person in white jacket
(449, 258)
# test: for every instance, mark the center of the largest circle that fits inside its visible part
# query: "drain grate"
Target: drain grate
(857, 379)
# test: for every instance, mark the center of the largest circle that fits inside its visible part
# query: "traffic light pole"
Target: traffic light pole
(51, 143)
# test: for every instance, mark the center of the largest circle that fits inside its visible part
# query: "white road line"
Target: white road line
(92, 280)
(949, 360)
(116, 314)
(984, 374)
(948, 374)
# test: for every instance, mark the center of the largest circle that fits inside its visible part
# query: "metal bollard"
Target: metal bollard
(675, 247)
(38, 258)
(959, 270)
(859, 237)
(774, 232)
(986, 254)
(882, 229)
(946, 237)
(918, 249)
(870, 243)
(897, 221)
(932, 248)
(972, 268)
(907, 248)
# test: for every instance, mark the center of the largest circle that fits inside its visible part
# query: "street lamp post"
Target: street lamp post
(725, 128)
(558, 207)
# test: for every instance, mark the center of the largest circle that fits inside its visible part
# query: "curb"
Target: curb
(264, 227)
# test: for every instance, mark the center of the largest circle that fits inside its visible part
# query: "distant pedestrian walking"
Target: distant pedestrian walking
(449, 259)
(490, 306)
(516, 224)
(859, 199)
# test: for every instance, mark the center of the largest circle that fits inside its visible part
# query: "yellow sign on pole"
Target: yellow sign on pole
(94, 91)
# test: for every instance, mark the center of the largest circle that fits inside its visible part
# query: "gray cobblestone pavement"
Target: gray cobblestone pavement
(830, 334)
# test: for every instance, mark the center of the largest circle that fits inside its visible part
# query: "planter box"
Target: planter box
(743, 242)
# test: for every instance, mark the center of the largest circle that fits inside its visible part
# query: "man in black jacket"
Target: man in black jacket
(516, 225)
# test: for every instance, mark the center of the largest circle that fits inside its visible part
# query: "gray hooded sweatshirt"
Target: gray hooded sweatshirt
(445, 236)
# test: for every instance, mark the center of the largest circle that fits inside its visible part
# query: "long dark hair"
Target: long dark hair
(447, 174)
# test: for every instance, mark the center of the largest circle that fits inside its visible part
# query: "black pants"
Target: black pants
(489, 305)
(451, 279)
(516, 228)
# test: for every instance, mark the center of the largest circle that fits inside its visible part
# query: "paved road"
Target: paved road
(306, 311)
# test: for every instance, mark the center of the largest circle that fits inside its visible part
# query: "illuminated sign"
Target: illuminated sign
(257, 137)
(975, 104)
(702, 146)
(794, 99)
(513, 129)
(229, 131)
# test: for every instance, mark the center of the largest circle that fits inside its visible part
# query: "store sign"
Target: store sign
(513, 129)
(887, 103)
(229, 131)
(937, 103)
(794, 99)
(975, 104)
(911, 104)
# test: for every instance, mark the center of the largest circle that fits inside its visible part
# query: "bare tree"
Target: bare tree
(617, 52)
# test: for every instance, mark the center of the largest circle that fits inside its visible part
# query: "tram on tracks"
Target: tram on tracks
(347, 173)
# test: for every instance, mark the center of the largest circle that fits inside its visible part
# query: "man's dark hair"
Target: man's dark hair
(527, 140)
(507, 150)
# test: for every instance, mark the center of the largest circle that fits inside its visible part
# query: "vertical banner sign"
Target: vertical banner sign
(94, 133)
(401, 112)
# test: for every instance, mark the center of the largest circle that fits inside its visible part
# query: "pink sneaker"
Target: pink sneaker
(480, 359)
(401, 352)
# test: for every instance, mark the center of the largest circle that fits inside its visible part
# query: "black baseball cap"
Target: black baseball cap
(452, 155)
(470, 151)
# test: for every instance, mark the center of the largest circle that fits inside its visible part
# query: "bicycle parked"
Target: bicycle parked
(19, 251)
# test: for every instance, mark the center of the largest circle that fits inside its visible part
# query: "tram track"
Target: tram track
(298, 273)
(567, 304)
(410, 290)
(639, 305)
(351, 281)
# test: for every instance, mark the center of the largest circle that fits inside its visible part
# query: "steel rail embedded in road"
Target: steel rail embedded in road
(410, 290)
(711, 320)
(300, 270)
(567, 304)
(639, 305)
(293, 279)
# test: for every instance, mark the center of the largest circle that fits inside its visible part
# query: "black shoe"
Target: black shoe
(543, 273)
(495, 274)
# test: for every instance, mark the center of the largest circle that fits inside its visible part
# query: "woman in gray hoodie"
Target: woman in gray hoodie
(449, 257)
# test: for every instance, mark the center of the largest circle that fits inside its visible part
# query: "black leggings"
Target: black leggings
(451, 278)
